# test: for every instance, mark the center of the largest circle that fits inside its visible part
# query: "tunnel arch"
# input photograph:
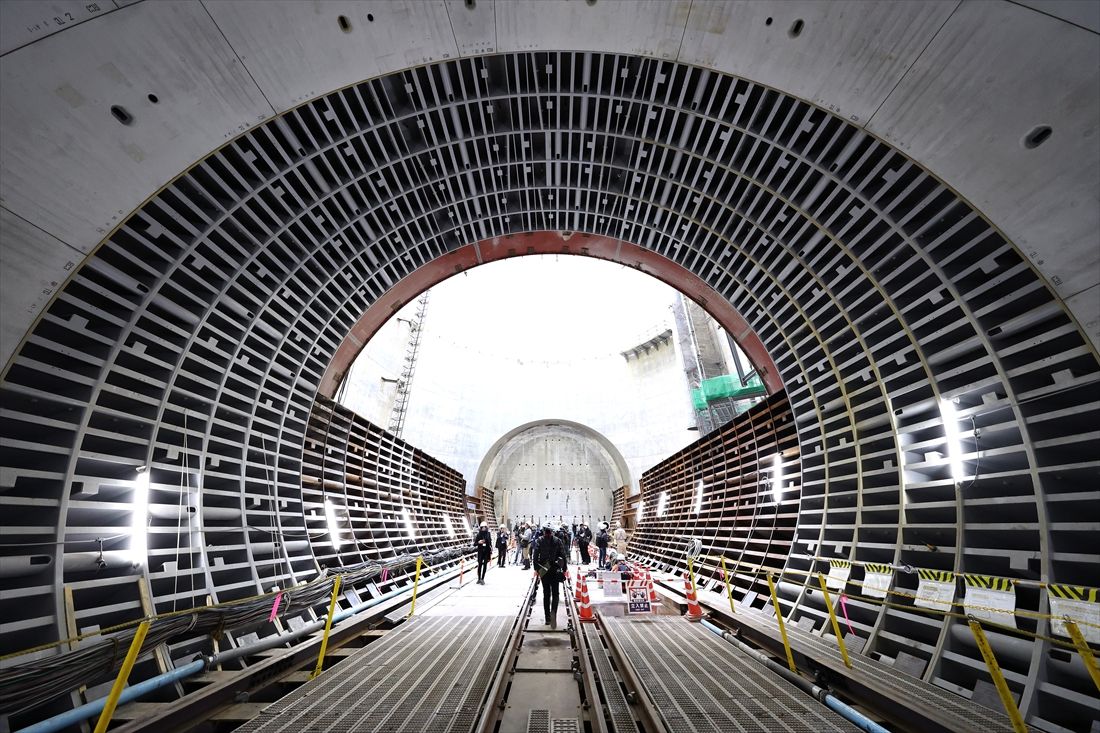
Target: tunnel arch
(616, 457)
(558, 243)
(204, 325)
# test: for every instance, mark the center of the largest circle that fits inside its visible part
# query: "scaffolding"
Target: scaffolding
(408, 369)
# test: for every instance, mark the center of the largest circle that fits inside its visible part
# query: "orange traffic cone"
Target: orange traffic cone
(695, 613)
(585, 607)
(652, 588)
(577, 587)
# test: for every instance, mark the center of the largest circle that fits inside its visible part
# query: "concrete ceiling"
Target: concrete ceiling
(956, 85)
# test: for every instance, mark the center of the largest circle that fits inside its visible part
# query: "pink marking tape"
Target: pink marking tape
(844, 610)
(275, 606)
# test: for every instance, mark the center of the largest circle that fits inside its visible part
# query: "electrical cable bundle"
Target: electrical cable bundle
(28, 685)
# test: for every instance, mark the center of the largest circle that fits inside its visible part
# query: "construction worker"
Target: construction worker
(584, 536)
(602, 540)
(502, 546)
(550, 562)
(525, 541)
(620, 539)
(483, 542)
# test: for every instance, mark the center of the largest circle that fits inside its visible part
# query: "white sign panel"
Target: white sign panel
(877, 579)
(1080, 604)
(936, 589)
(839, 572)
(638, 599)
(990, 598)
(612, 585)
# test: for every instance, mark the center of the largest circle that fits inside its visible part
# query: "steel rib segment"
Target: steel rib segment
(669, 655)
(289, 711)
(967, 715)
(759, 685)
(621, 718)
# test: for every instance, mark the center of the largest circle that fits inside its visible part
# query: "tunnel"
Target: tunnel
(209, 208)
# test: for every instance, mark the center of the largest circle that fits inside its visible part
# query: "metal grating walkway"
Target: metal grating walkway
(622, 720)
(953, 711)
(431, 674)
(698, 683)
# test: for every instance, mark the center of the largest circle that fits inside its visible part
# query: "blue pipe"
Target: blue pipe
(82, 713)
(79, 714)
(858, 719)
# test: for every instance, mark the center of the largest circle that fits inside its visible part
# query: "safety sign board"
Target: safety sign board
(612, 584)
(876, 579)
(990, 599)
(1080, 604)
(638, 599)
(839, 572)
(935, 589)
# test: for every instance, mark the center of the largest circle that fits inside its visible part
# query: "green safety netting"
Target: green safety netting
(726, 386)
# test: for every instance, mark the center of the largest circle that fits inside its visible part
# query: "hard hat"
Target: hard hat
(484, 525)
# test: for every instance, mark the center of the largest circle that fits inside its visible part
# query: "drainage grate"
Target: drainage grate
(538, 721)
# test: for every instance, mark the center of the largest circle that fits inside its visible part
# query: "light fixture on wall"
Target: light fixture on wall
(333, 525)
(662, 502)
(954, 442)
(450, 527)
(777, 477)
(409, 528)
(638, 516)
(139, 518)
(699, 496)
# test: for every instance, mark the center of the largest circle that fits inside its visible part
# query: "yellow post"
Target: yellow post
(416, 584)
(1083, 649)
(691, 577)
(726, 576)
(782, 627)
(998, 678)
(123, 675)
(836, 625)
(328, 627)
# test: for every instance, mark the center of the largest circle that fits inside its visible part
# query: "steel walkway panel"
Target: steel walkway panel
(953, 711)
(622, 720)
(430, 674)
(701, 684)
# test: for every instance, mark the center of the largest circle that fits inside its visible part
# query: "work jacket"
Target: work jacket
(550, 554)
(483, 541)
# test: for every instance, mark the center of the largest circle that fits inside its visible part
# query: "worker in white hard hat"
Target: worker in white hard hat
(483, 542)
(620, 539)
(602, 540)
(584, 537)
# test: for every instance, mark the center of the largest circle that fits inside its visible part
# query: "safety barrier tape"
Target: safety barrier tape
(989, 582)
